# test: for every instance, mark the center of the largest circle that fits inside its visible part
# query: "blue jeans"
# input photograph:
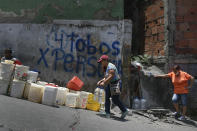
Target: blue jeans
(183, 97)
(115, 99)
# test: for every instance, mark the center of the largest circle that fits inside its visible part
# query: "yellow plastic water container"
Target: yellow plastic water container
(17, 88)
(35, 93)
(3, 86)
(49, 96)
(6, 70)
(72, 100)
(21, 72)
(83, 98)
(61, 95)
(92, 104)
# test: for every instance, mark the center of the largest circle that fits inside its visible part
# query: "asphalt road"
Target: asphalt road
(22, 115)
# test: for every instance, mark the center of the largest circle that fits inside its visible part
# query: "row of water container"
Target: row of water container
(17, 81)
(43, 93)
(8, 71)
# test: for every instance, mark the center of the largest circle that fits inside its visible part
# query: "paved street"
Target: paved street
(22, 115)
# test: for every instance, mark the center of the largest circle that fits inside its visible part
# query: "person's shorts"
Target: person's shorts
(177, 97)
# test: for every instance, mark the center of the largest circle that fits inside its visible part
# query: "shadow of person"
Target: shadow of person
(113, 117)
(190, 122)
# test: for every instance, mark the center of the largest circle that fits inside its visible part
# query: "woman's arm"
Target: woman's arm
(191, 82)
(162, 76)
(109, 77)
(99, 82)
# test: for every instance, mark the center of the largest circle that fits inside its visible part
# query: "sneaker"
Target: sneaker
(175, 113)
(182, 118)
(124, 114)
(107, 115)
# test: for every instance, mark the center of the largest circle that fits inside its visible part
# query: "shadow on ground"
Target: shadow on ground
(113, 117)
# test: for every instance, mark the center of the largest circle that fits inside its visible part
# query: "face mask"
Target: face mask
(177, 73)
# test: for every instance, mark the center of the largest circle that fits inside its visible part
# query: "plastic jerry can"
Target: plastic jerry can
(17, 89)
(49, 96)
(91, 104)
(21, 72)
(102, 98)
(43, 83)
(96, 94)
(83, 98)
(26, 90)
(61, 95)
(6, 70)
(32, 76)
(72, 100)
(136, 103)
(75, 84)
(36, 93)
(143, 104)
(9, 62)
(3, 86)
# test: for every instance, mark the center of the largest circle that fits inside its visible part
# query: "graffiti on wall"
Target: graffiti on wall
(77, 53)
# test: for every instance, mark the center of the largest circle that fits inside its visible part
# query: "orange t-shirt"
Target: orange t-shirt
(180, 82)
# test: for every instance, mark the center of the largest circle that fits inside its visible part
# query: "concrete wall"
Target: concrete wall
(45, 11)
(67, 48)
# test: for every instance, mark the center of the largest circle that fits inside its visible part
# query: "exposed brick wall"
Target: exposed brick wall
(186, 27)
(154, 28)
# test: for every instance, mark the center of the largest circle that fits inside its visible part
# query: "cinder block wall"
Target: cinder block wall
(154, 28)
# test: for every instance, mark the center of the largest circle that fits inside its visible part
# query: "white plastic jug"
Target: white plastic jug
(9, 62)
(136, 103)
(143, 104)
(42, 83)
(3, 86)
(72, 100)
(61, 95)
(83, 98)
(32, 76)
(21, 72)
(6, 70)
(102, 99)
(96, 94)
(36, 93)
(49, 96)
(17, 89)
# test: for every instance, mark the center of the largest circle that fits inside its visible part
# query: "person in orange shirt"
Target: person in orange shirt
(180, 80)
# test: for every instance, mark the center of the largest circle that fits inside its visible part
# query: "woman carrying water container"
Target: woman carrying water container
(111, 81)
(180, 80)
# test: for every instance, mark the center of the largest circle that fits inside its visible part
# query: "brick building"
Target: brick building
(166, 30)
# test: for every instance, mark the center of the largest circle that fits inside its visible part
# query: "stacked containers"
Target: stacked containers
(32, 76)
(26, 90)
(72, 100)
(61, 95)
(21, 72)
(36, 93)
(83, 98)
(18, 84)
(75, 84)
(49, 96)
(17, 89)
(6, 71)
